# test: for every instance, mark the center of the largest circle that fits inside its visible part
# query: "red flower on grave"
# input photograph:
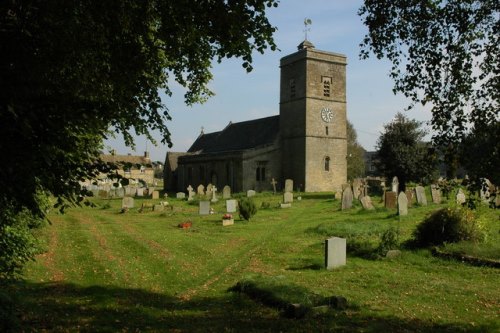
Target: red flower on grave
(227, 217)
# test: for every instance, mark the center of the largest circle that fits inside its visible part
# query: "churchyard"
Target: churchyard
(136, 269)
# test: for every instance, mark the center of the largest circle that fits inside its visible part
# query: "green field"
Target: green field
(112, 272)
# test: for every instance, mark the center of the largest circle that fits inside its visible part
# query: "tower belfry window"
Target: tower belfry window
(292, 88)
(326, 130)
(327, 83)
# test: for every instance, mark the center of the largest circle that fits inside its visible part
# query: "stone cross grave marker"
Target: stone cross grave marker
(460, 197)
(204, 207)
(421, 198)
(402, 204)
(226, 192)
(273, 183)
(335, 252)
(155, 195)
(390, 199)
(287, 197)
(347, 198)
(214, 194)
(366, 202)
(190, 193)
(288, 185)
(395, 184)
(250, 193)
(231, 205)
(128, 202)
(200, 190)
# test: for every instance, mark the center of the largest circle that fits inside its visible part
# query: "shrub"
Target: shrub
(388, 241)
(248, 208)
(449, 225)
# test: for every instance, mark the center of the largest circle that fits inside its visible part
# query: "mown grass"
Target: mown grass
(106, 271)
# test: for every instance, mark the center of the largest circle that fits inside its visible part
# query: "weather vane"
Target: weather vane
(307, 23)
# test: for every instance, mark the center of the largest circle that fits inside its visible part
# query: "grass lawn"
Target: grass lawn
(108, 272)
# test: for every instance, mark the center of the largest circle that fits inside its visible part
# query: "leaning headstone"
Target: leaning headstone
(200, 190)
(180, 195)
(390, 199)
(250, 193)
(155, 195)
(204, 208)
(288, 185)
(421, 198)
(128, 202)
(460, 197)
(231, 205)
(287, 197)
(335, 252)
(140, 191)
(395, 184)
(190, 193)
(436, 195)
(226, 192)
(366, 202)
(402, 204)
(347, 198)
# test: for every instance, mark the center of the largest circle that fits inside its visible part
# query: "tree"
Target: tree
(402, 152)
(444, 53)
(70, 71)
(355, 154)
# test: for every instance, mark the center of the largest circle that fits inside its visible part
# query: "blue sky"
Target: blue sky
(241, 96)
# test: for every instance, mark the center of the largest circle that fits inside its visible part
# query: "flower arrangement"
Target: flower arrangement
(185, 225)
(227, 217)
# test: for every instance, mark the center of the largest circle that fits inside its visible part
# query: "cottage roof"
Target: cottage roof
(239, 136)
(133, 159)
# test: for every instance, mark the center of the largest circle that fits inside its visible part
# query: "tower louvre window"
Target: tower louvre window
(326, 130)
(327, 83)
(292, 88)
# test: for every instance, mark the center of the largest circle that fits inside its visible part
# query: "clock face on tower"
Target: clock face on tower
(326, 115)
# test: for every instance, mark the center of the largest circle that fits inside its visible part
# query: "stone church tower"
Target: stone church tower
(313, 118)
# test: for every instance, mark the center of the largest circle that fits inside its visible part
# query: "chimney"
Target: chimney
(146, 155)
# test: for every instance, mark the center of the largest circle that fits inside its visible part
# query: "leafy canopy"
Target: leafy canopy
(445, 53)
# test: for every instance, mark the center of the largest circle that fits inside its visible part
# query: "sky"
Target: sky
(241, 96)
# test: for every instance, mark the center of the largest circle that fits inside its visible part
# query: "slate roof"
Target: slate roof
(134, 159)
(239, 136)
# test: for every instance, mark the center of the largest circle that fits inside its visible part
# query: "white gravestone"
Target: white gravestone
(335, 252)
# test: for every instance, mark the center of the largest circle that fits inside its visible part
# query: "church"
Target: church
(306, 142)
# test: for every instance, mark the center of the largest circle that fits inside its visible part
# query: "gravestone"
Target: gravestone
(103, 194)
(356, 187)
(155, 195)
(273, 183)
(226, 192)
(128, 202)
(158, 208)
(231, 205)
(140, 191)
(390, 199)
(421, 198)
(347, 198)
(436, 195)
(208, 192)
(200, 190)
(287, 197)
(335, 252)
(346, 185)
(395, 184)
(120, 192)
(286, 205)
(204, 208)
(130, 191)
(338, 195)
(460, 197)
(366, 202)
(250, 193)
(180, 195)
(214, 194)
(402, 204)
(288, 185)
(190, 193)
(410, 197)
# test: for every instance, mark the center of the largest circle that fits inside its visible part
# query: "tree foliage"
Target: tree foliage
(445, 53)
(355, 154)
(70, 71)
(402, 152)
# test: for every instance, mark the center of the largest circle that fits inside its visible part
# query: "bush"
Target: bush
(449, 225)
(248, 208)
(388, 241)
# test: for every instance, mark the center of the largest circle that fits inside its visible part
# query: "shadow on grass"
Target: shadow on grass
(69, 308)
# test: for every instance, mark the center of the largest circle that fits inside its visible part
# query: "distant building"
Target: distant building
(132, 166)
(306, 142)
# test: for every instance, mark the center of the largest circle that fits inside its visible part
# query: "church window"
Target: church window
(326, 130)
(260, 172)
(292, 88)
(327, 163)
(327, 82)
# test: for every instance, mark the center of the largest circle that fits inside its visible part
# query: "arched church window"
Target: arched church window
(327, 163)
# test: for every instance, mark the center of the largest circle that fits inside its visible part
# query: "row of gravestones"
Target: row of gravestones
(120, 192)
(204, 206)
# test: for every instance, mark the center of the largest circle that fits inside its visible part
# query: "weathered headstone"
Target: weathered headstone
(140, 191)
(335, 252)
(158, 208)
(226, 192)
(356, 187)
(120, 192)
(208, 193)
(128, 202)
(130, 191)
(395, 184)
(347, 198)
(200, 190)
(180, 195)
(421, 198)
(204, 207)
(410, 197)
(346, 185)
(436, 195)
(250, 193)
(273, 183)
(231, 205)
(390, 199)
(286, 205)
(366, 202)
(103, 194)
(214, 194)
(402, 204)
(190, 193)
(155, 195)
(460, 197)
(287, 197)
(288, 185)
